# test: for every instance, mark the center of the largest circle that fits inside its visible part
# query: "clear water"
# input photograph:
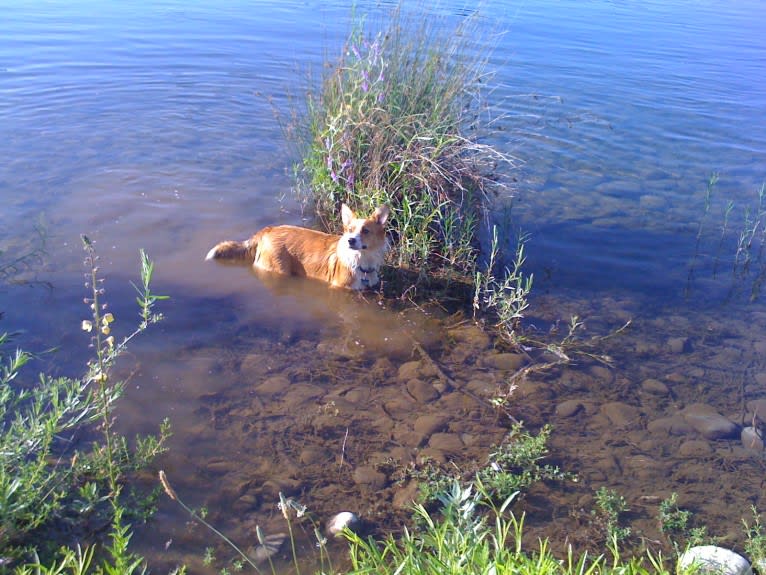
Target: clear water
(152, 125)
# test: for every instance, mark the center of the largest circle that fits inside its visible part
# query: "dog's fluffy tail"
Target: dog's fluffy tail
(233, 251)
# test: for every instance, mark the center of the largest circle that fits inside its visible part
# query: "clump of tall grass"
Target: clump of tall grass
(398, 120)
(48, 486)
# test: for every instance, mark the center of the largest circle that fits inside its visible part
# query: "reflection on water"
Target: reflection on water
(148, 128)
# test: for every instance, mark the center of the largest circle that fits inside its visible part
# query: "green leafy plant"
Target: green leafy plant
(41, 481)
(676, 525)
(467, 538)
(609, 506)
(505, 298)
(755, 545)
(516, 464)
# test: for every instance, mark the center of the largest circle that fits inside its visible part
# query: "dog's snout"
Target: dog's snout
(352, 242)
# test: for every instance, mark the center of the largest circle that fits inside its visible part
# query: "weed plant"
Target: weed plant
(746, 238)
(398, 120)
(609, 506)
(512, 466)
(48, 486)
(505, 299)
(464, 540)
(755, 545)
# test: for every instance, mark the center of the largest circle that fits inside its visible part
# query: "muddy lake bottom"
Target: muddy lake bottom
(341, 417)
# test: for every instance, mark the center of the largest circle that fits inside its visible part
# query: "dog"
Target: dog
(349, 261)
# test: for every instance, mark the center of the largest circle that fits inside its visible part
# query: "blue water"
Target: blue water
(157, 125)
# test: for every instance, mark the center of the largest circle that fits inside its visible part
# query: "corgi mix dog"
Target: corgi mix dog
(349, 261)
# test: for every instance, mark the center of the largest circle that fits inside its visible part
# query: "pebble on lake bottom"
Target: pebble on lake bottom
(340, 521)
(711, 559)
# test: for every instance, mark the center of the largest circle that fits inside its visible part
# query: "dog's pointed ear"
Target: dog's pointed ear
(381, 214)
(346, 214)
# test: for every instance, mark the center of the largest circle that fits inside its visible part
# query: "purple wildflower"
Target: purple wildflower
(334, 176)
(329, 162)
(355, 50)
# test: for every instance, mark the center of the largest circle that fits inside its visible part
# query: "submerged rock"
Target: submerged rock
(620, 414)
(654, 387)
(368, 476)
(679, 345)
(695, 448)
(505, 361)
(713, 560)
(430, 423)
(569, 408)
(751, 439)
(673, 425)
(709, 423)
(422, 391)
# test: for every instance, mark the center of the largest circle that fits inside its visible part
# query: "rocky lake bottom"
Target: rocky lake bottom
(342, 419)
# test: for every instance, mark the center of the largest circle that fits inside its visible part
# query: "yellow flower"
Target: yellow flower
(108, 318)
(87, 325)
(105, 329)
(110, 341)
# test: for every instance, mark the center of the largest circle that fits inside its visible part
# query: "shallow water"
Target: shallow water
(152, 127)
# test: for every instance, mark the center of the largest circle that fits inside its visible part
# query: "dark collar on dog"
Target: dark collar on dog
(366, 271)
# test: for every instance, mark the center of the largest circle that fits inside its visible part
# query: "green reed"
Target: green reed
(398, 120)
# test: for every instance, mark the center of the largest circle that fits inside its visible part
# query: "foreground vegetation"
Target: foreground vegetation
(55, 485)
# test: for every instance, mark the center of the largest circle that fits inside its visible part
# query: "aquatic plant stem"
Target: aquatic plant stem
(99, 370)
(284, 506)
(174, 496)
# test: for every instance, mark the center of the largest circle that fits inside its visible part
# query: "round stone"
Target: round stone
(620, 414)
(341, 521)
(569, 408)
(505, 361)
(654, 387)
(422, 391)
(709, 423)
(751, 439)
(714, 560)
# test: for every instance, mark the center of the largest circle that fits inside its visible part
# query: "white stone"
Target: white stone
(713, 560)
(751, 439)
(340, 521)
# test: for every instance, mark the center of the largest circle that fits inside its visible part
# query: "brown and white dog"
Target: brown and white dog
(349, 261)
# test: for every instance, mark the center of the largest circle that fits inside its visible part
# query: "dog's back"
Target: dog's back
(351, 260)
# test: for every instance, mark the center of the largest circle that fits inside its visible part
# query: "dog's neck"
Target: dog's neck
(362, 264)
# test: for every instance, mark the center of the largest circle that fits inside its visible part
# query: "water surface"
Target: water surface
(152, 126)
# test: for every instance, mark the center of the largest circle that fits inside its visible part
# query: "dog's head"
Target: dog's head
(364, 234)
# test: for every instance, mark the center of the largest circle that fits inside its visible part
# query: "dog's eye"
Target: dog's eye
(365, 231)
